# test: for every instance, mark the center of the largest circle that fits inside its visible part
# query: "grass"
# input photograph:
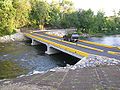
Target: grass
(82, 37)
(9, 69)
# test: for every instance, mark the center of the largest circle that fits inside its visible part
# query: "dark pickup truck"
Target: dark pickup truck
(71, 37)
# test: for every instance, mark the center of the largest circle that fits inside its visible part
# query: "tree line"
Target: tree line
(16, 14)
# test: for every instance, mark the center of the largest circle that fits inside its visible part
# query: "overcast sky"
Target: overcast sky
(106, 5)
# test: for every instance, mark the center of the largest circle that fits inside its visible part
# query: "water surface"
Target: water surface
(33, 57)
(113, 40)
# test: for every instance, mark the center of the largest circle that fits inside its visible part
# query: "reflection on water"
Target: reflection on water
(108, 40)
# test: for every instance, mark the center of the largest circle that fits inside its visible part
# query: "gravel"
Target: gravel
(91, 61)
(56, 33)
(95, 61)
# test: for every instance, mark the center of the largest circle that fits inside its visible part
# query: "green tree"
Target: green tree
(7, 17)
(85, 20)
(118, 21)
(13, 14)
(22, 9)
(54, 15)
(70, 20)
(60, 12)
(99, 22)
(39, 13)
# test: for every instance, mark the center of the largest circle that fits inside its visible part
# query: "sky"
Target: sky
(104, 5)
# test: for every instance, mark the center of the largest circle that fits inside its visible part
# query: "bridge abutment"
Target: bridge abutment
(51, 50)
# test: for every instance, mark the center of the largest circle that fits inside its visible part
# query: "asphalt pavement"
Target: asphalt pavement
(90, 51)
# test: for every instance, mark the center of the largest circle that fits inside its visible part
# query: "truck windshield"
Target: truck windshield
(75, 35)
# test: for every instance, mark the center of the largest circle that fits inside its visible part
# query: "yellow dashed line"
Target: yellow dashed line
(81, 53)
(83, 46)
(90, 48)
(97, 44)
(118, 48)
(94, 43)
(71, 49)
(114, 53)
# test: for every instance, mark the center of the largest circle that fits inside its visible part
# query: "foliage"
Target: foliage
(7, 15)
(55, 15)
(70, 20)
(59, 13)
(85, 19)
(15, 14)
(22, 9)
(39, 13)
(10, 69)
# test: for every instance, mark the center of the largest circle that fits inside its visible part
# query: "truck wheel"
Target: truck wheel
(76, 40)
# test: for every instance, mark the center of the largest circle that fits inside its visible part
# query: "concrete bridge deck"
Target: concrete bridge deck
(79, 49)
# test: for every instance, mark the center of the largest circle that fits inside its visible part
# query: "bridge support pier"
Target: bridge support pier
(34, 42)
(51, 50)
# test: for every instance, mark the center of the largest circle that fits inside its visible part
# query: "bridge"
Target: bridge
(80, 49)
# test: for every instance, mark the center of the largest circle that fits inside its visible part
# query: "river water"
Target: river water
(34, 58)
(113, 40)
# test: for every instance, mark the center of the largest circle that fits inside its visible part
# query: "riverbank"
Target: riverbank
(14, 37)
(9, 69)
(101, 75)
(62, 32)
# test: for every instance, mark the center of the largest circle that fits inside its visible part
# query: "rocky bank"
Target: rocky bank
(92, 73)
(14, 37)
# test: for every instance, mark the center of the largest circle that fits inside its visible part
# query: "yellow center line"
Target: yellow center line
(83, 46)
(118, 47)
(71, 49)
(81, 53)
(89, 42)
(114, 53)
(97, 44)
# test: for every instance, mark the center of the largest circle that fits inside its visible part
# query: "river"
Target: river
(113, 40)
(34, 58)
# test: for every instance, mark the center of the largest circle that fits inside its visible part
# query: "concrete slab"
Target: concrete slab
(92, 78)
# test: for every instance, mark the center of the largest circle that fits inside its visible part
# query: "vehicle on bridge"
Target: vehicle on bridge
(71, 37)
